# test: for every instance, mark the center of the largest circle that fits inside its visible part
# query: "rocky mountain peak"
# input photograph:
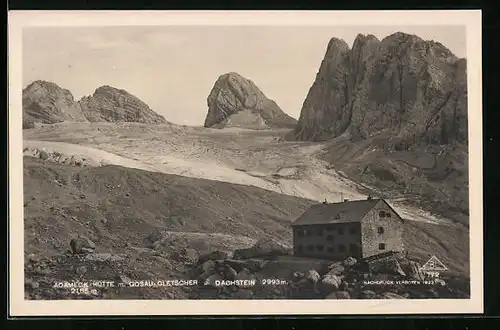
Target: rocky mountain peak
(117, 105)
(336, 43)
(401, 37)
(234, 76)
(236, 101)
(408, 44)
(46, 102)
(403, 86)
(365, 37)
(47, 86)
(109, 90)
(362, 41)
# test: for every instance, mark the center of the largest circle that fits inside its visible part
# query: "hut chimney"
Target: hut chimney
(325, 202)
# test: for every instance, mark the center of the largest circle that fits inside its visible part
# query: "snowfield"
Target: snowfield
(248, 157)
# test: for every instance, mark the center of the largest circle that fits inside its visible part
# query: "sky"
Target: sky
(173, 68)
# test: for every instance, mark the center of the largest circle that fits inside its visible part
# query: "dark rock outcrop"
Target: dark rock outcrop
(237, 101)
(82, 244)
(117, 105)
(410, 89)
(47, 103)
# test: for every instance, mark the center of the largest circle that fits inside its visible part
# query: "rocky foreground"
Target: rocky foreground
(157, 227)
(114, 224)
(265, 271)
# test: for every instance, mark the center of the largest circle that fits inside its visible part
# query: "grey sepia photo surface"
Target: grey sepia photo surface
(251, 162)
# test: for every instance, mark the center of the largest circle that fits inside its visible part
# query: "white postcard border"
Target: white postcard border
(17, 20)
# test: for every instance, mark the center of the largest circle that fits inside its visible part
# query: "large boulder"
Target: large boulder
(330, 283)
(336, 268)
(312, 276)
(82, 245)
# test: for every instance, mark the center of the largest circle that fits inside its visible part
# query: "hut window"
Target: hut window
(320, 232)
(388, 214)
(381, 246)
(380, 230)
(341, 231)
(300, 233)
(341, 248)
(329, 238)
(353, 230)
(320, 247)
(308, 232)
(381, 214)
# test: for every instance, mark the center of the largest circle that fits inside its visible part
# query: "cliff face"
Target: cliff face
(117, 105)
(237, 101)
(413, 90)
(398, 110)
(47, 103)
